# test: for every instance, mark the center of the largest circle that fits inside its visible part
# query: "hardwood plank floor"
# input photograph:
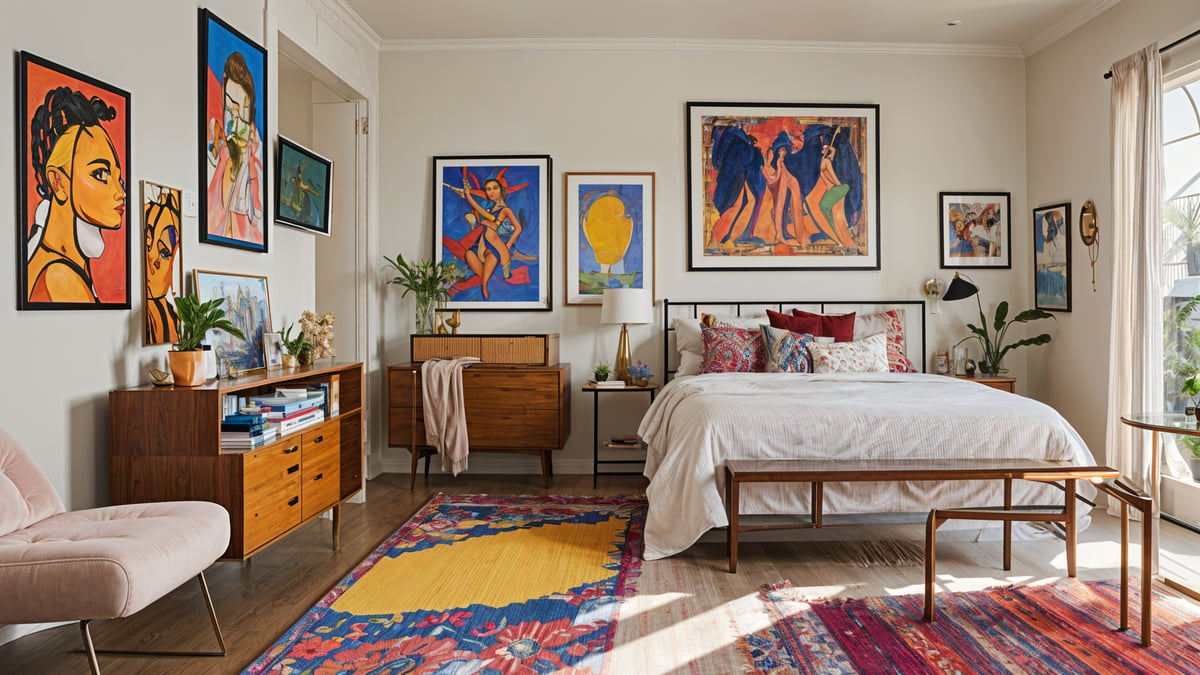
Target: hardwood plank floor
(258, 600)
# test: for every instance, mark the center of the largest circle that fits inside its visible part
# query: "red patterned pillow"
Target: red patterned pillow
(838, 326)
(796, 324)
(892, 323)
(732, 350)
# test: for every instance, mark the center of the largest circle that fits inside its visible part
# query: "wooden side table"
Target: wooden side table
(596, 461)
(1008, 384)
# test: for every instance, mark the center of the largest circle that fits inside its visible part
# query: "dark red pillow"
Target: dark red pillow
(838, 326)
(796, 324)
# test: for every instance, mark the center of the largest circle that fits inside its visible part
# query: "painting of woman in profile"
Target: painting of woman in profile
(162, 227)
(75, 163)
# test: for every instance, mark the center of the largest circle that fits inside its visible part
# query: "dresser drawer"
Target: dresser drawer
(497, 390)
(271, 504)
(321, 436)
(516, 429)
(320, 480)
(400, 426)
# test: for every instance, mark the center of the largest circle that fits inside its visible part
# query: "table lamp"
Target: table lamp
(625, 306)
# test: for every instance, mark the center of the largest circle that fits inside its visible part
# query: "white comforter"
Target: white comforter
(698, 422)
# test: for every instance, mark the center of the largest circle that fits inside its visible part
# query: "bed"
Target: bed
(699, 421)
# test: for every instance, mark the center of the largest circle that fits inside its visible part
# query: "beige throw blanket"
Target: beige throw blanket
(445, 415)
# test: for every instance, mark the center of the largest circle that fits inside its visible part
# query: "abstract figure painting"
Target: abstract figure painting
(491, 219)
(162, 237)
(779, 186)
(248, 306)
(303, 180)
(610, 234)
(72, 167)
(233, 122)
(974, 230)
(1052, 257)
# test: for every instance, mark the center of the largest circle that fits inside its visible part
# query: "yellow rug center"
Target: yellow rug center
(494, 570)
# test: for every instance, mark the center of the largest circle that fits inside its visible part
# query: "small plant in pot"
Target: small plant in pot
(298, 348)
(195, 320)
(601, 372)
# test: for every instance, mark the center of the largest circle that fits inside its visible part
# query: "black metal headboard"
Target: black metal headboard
(693, 309)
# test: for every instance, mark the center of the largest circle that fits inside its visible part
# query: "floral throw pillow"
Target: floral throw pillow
(787, 351)
(891, 323)
(863, 356)
(728, 349)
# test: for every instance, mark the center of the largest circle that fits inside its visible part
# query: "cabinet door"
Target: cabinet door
(320, 469)
(272, 493)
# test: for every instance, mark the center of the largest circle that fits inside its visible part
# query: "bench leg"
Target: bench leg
(1008, 483)
(732, 488)
(1072, 537)
(931, 525)
(1124, 567)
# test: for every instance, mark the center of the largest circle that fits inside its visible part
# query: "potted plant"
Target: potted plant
(297, 348)
(601, 371)
(429, 281)
(1181, 365)
(993, 343)
(195, 320)
(640, 373)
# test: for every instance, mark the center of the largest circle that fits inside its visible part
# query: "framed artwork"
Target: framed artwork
(303, 181)
(1052, 257)
(233, 122)
(162, 253)
(609, 219)
(974, 230)
(72, 170)
(491, 219)
(783, 186)
(248, 306)
(273, 350)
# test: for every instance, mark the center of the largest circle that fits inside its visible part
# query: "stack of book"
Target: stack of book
(608, 384)
(291, 409)
(246, 431)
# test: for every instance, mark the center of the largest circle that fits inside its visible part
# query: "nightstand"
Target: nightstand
(1008, 384)
(596, 444)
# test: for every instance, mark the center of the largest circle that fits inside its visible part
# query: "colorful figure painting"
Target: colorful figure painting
(248, 305)
(1052, 257)
(491, 220)
(974, 230)
(610, 234)
(303, 181)
(72, 168)
(783, 186)
(233, 114)
(162, 236)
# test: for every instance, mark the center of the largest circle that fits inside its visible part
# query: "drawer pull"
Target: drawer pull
(293, 468)
(293, 501)
(294, 448)
(319, 476)
(318, 439)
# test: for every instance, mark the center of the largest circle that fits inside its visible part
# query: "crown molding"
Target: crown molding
(345, 16)
(1067, 24)
(686, 45)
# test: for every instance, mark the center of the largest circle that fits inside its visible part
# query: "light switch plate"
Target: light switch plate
(189, 204)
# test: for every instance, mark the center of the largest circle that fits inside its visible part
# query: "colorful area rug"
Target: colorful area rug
(1064, 627)
(477, 584)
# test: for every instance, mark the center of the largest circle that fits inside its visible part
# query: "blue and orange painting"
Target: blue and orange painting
(612, 234)
(1052, 249)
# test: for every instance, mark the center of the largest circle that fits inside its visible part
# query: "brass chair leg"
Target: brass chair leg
(93, 664)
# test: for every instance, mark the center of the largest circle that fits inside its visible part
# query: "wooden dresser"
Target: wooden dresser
(165, 445)
(510, 408)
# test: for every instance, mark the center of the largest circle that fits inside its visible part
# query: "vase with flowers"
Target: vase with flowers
(640, 373)
(429, 281)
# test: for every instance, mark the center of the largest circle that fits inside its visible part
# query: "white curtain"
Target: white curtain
(1135, 380)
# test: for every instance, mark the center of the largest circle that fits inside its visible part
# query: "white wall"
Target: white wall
(1069, 152)
(947, 123)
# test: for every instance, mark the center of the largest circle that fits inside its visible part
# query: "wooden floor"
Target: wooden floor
(257, 601)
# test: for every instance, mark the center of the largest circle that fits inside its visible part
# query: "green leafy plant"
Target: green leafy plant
(197, 318)
(428, 280)
(991, 337)
(601, 372)
(294, 344)
(1182, 362)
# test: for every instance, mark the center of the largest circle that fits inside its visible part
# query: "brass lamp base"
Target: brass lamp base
(624, 358)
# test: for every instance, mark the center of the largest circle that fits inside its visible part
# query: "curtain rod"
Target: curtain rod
(1176, 43)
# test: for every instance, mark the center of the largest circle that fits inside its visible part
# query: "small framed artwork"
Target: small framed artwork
(491, 219)
(974, 230)
(303, 184)
(609, 220)
(72, 171)
(162, 253)
(942, 363)
(247, 304)
(1052, 257)
(273, 350)
(233, 122)
(783, 186)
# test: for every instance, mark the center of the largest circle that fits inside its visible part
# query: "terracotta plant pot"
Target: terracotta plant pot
(187, 368)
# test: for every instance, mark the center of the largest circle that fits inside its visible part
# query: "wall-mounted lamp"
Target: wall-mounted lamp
(932, 289)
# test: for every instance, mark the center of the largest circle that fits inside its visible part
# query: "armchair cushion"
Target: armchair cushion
(26, 495)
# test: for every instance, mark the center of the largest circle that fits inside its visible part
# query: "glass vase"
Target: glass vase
(425, 313)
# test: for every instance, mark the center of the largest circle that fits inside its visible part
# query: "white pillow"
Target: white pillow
(691, 345)
(862, 356)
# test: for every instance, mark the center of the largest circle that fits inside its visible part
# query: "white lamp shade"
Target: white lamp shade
(626, 305)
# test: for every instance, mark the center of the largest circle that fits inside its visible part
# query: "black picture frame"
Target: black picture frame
(234, 205)
(302, 196)
(818, 225)
(97, 273)
(1052, 257)
(975, 230)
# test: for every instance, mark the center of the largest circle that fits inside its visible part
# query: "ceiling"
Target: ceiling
(1025, 24)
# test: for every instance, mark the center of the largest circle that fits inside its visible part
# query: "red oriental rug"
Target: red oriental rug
(1064, 627)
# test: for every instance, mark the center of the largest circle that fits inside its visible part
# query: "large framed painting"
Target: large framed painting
(491, 219)
(974, 230)
(162, 252)
(248, 306)
(303, 184)
(783, 186)
(233, 122)
(609, 220)
(1052, 257)
(72, 170)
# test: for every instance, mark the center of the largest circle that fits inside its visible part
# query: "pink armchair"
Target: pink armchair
(58, 565)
